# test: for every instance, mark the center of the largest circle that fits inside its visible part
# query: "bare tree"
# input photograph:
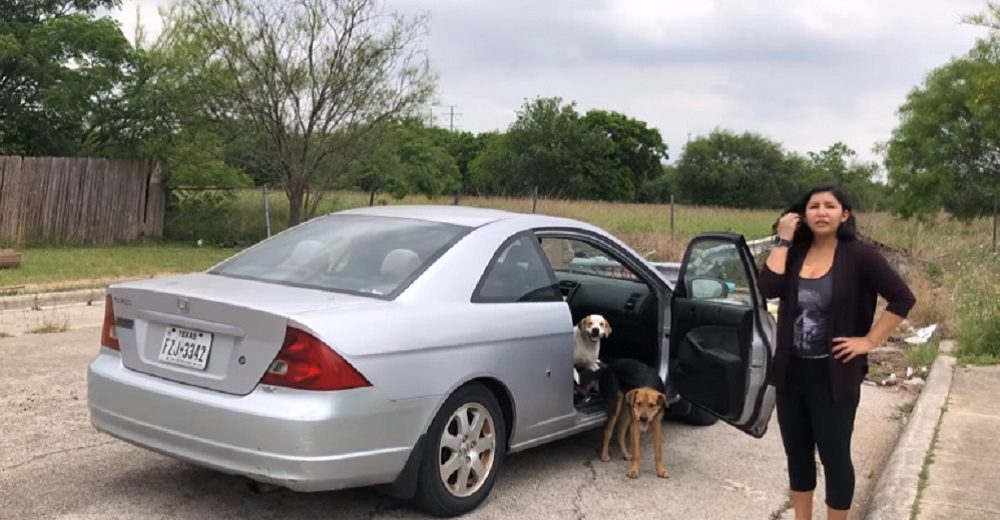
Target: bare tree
(315, 76)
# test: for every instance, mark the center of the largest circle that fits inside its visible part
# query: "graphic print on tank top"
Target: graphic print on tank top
(812, 320)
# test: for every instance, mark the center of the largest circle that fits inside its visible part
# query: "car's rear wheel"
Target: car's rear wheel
(464, 452)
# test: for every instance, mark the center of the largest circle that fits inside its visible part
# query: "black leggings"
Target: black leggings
(810, 419)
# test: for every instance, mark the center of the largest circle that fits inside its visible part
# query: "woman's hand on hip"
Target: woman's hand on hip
(846, 349)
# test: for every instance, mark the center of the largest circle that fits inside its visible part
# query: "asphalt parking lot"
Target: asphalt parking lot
(53, 464)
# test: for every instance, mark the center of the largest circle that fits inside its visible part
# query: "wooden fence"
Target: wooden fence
(67, 200)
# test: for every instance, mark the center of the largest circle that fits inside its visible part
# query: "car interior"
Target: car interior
(593, 282)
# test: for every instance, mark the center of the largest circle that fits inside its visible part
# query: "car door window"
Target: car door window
(715, 272)
(517, 273)
(576, 256)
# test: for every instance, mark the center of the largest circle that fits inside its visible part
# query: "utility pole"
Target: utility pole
(138, 26)
(451, 117)
(451, 128)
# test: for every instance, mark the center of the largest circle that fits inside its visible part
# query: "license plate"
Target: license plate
(186, 347)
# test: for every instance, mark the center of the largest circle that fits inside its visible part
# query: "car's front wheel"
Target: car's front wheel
(464, 451)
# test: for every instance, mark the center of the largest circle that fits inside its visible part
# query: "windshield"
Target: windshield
(349, 253)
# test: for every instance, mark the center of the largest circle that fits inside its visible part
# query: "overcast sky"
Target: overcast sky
(806, 73)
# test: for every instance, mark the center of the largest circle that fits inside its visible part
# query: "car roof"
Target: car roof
(471, 217)
(458, 215)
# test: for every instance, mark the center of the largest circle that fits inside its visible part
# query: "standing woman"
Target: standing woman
(827, 282)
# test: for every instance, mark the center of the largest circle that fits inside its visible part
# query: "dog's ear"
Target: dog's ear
(607, 327)
(661, 399)
(630, 396)
(582, 324)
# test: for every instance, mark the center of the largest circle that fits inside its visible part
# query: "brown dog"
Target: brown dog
(644, 400)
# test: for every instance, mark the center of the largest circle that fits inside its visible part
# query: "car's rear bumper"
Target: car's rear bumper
(305, 441)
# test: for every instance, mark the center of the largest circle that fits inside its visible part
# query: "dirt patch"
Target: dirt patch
(888, 366)
(886, 360)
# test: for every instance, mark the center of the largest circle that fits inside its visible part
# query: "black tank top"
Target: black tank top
(812, 338)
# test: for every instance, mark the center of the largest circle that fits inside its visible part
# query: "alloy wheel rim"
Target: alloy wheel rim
(467, 450)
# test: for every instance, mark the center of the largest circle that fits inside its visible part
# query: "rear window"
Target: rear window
(360, 254)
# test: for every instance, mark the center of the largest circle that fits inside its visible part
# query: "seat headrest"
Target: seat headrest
(398, 264)
(302, 254)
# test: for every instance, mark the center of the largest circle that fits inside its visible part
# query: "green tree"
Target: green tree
(464, 147)
(315, 77)
(945, 153)
(638, 150)
(659, 188)
(550, 148)
(737, 170)
(839, 164)
(489, 169)
(201, 199)
(546, 137)
(406, 160)
(63, 78)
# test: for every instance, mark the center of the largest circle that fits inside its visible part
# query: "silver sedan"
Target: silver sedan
(414, 347)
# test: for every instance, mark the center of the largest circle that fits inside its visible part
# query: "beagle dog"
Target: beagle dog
(587, 337)
(636, 399)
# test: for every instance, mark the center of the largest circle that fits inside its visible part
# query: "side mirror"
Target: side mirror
(705, 288)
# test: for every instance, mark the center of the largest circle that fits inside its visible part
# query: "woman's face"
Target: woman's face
(824, 213)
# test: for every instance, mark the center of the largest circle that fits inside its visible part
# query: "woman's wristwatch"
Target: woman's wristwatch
(780, 242)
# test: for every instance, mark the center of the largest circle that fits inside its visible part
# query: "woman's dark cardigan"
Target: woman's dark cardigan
(860, 273)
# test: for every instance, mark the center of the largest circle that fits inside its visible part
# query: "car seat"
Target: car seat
(399, 264)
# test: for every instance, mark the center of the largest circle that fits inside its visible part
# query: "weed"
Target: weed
(904, 410)
(933, 271)
(51, 324)
(921, 355)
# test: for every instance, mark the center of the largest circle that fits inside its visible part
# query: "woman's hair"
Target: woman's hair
(848, 229)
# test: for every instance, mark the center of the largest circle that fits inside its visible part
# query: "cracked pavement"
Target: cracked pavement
(53, 464)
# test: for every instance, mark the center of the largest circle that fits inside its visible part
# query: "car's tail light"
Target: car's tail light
(307, 363)
(109, 337)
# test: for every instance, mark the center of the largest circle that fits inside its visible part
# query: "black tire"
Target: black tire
(688, 413)
(432, 495)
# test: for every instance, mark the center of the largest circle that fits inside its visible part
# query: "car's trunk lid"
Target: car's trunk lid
(211, 331)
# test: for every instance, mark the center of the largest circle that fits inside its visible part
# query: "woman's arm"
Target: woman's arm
(878, 274)
(886, 323)
(772, 277)
(771, 280)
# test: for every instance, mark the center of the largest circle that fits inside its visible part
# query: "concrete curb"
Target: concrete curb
(51, 299)
(896, 490)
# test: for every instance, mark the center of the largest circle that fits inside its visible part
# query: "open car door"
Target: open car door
(721, 336)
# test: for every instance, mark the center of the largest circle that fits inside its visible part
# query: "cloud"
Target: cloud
(806, 73)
